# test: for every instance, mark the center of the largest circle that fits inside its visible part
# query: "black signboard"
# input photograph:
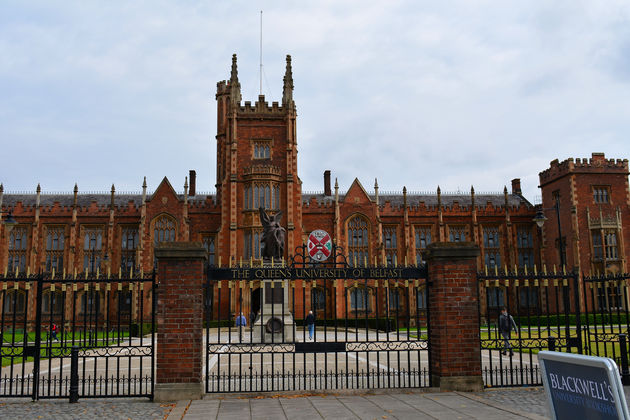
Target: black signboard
(582, 387)
(314, 273)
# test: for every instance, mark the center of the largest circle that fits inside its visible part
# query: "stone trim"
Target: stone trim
(180, 250)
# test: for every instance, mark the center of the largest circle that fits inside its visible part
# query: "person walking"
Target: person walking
(310, 323)
(506, 323)
(241, 322)
(54, 330)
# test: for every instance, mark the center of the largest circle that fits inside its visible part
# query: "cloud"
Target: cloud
(416, 94)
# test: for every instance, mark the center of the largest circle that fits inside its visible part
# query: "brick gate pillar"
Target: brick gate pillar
(180, 272)
(455, 348)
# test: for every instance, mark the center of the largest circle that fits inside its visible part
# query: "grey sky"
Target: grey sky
(413, 93)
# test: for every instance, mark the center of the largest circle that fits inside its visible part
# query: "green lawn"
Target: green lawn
(78, 338)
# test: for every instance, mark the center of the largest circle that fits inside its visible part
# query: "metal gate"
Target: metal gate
(88, 336)
(546, 310)
(606, 318)
(370, 326)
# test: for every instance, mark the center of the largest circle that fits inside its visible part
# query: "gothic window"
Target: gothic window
(262, 150)
(54, 248)
(528, 297)
(601, 194)
(208, 244)
(394, 298)
(495, 296)
(14, 302)
(318, 299)
(610, 298)
(124, 297)
(359, 299)
(276, 197)
(492, 249)
(423, 239)
(247, 199)
(421, 298)
(358, 241)
(525, 246)
(129, 244)
(164, 229)
(252, 244)
(596, 235)
(91, 302)
(457, 233)
(17, 249)
(389, 236)
(52, 302)
(92, 248)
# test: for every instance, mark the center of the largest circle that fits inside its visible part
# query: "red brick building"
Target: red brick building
(257, 166)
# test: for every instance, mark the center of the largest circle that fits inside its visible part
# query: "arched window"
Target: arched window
(164, 229)
(267, 197)
(358, 241)
(14, 302)
(52, 302)
(247, 194)
(359, 299)
(318, 299)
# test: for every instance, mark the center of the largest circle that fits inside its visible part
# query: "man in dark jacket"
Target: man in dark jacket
(310, 323)
(506, 323)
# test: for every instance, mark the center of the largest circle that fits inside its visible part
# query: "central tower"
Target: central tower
(256, 167)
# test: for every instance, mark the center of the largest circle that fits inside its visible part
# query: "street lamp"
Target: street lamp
(540, 221)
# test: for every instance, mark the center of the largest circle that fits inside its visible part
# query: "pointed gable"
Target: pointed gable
(356, 194)
(164, 193)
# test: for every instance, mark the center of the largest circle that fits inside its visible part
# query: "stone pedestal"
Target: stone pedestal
(274, 323)
(455, 350)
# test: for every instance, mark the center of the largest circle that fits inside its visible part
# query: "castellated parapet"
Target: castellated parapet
(596, 164)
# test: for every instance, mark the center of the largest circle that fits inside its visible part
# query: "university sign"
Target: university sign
(306, 273)
(584, 387)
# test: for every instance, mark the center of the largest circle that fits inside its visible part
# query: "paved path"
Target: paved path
(521, 403)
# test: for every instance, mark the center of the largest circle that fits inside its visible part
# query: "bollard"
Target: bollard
(625, 372)
(552, 343)
(74, 375)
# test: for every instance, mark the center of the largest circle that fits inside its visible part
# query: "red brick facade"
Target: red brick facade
(257, 165)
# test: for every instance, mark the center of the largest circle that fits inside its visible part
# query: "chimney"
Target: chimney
(516, 186)
(327, 190)
(193, 183)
